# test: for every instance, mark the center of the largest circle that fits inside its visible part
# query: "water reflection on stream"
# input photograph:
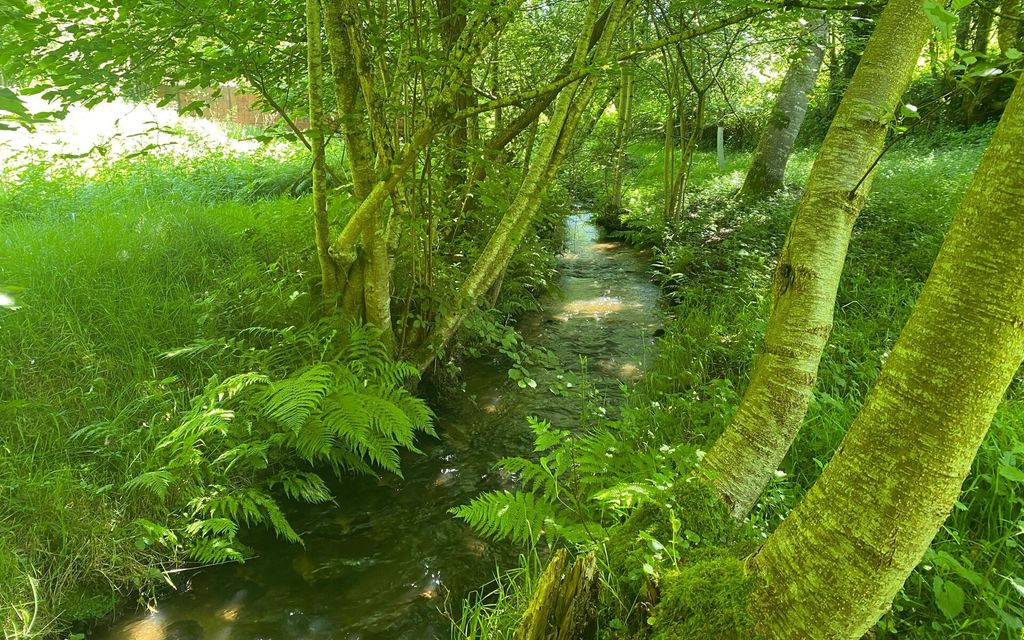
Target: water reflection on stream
(380, 563)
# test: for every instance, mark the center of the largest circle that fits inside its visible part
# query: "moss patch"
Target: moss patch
(703, 521)
(705, 600)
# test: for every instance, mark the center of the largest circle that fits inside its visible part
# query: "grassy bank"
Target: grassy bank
(105, 275)
(715, 266)
(167, 378)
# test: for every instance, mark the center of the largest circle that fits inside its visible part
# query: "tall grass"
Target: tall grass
(105, 274)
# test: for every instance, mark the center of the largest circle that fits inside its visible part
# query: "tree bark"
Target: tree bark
(983, 30)
(623, 110)
(564, 605)
(768, 169)
(833, 567)
(745, 457)
(963, 26)
(315, 63)
(1010, 25)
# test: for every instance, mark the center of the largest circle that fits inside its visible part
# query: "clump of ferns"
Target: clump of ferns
(308, 401)
(580, 485)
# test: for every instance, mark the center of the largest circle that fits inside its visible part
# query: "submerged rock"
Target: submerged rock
(184, 630)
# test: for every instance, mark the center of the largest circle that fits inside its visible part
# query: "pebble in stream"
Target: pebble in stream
(381, 562)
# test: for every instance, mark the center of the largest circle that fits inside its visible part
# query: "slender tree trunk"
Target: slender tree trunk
(624, 110)
(983, 30)
(315, 63)
(360, 250)
(833, 567)
(668, 157)
(768, 169)
(745, 457)
(963, 26)
(569, 107)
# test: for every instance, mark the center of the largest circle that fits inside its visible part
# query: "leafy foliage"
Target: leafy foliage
(347, 410)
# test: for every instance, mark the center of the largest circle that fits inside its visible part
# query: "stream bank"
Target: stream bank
(386, 559)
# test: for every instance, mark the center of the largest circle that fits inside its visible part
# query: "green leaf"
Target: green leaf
(909, 111)
(949, 597)
(1013, 54)
(942, 19)
(11, 103)
(1011, 473)
(960, 4)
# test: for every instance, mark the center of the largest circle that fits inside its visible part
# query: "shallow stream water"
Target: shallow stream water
(387, 559)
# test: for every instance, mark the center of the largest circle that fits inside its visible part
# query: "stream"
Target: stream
(387, 559)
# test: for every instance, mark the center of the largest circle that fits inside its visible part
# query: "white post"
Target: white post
(721, 147)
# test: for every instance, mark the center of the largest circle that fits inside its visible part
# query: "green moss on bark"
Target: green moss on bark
(698, 511)
(705, 600)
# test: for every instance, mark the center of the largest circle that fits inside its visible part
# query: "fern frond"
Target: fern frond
(298, 485)
(155, 482)
(291, 401)
(216, 551)
(519, 516)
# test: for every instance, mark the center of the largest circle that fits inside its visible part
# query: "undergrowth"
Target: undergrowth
(166, 380)
(589, 490)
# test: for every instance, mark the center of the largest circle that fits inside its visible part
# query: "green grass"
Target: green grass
(107, 274)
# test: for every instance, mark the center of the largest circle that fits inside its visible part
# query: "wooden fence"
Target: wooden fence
(232, 105)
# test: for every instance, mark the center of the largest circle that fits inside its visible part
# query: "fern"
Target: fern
(155, 482)
(299, 485)
(519, 516)
(304, 397)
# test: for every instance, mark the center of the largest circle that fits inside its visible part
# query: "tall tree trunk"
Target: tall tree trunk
(623, 112)
(745, 457)
(668, 169)
(315, 63)
(963, 26)
(1010, 25)
(769, 166)
(833, 567)
(983, 30)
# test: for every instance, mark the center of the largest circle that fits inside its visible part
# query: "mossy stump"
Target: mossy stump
(564, 605)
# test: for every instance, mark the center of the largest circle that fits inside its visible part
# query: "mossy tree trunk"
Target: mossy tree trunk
(564, 605)
(833, 567)
(315, 63)
(745, 457)
(1011, 27)
(768, 169)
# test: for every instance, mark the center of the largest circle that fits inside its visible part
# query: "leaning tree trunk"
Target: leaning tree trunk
(833, 567)
(769, 167)
(745, 457)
